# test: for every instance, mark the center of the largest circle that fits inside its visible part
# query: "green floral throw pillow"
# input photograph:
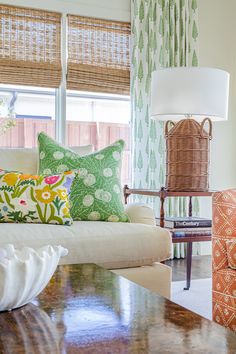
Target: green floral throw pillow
(96, 191)
(35, 199)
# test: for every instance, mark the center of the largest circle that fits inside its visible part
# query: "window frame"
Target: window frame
(61, 92)
(60, 99)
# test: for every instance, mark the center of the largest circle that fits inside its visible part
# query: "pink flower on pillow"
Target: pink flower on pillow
(24, 204)
(51, 179)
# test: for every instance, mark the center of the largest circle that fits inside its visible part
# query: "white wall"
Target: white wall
(108, 9)
(217, 48)
(217, 31)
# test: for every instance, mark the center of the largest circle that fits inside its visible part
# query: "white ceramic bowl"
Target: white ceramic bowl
(25, 273)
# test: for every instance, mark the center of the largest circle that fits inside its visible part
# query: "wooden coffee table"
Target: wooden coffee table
(87, 309)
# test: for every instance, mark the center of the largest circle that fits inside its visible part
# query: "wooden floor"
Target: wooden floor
(201, 268)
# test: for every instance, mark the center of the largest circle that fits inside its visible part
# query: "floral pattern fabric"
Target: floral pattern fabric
(96, 193)
(35, 199)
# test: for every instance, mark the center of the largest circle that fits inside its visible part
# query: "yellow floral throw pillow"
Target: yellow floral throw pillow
(35, 199)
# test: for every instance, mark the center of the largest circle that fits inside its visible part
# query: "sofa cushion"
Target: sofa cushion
(96, 191)
(112, 245)
(140, 213)
(35, 199)
(26, 160)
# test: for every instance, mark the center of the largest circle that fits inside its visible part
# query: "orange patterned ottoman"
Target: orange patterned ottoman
(224, 258)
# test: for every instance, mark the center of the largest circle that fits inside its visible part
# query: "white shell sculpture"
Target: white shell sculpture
(25, 273)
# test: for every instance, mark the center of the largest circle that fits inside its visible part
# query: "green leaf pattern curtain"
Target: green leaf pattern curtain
(164, 34)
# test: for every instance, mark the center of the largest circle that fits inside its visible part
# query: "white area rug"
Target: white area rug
(197, 299)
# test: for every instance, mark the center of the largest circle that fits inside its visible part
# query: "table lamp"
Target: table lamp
(188, 95)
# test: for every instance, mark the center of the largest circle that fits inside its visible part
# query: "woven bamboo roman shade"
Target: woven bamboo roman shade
(30, 48)
(98, 55)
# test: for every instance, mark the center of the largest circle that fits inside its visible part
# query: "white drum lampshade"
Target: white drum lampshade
(182, 94)
(189, 91)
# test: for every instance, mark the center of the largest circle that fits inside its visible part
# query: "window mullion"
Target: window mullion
(61, 91)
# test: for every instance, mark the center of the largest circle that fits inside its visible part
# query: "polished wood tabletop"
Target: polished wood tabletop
(87, 309)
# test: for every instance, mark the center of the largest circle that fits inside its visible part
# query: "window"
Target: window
(30, 54)
(98, 55)
(30, 47)
(98, 79)
(99, 120)
(25, 111)
(98, 68)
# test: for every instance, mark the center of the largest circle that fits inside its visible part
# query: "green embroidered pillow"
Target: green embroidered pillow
(96, 191)
(35, 199)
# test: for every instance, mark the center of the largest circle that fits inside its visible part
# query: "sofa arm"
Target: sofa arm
(140, 213)
(223, 226)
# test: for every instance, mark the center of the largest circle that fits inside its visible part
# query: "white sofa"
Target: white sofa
(132, 250)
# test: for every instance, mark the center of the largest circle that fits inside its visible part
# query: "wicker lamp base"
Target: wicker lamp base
(187, 155)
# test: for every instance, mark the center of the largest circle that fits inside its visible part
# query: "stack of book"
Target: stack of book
(187, 226)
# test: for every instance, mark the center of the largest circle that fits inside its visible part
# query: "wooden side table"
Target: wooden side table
(163, 194)
(189, 240)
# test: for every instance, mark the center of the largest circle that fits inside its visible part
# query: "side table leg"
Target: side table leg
(189, 264)
(162, 210)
